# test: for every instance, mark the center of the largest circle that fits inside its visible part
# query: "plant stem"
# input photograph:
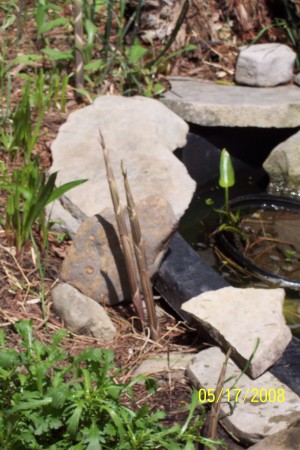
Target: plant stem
(140, 255)
(227, 203)
(123, 233)
(78, 30)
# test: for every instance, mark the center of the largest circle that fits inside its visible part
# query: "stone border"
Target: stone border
(183, 275)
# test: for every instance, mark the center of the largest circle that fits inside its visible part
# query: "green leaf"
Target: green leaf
(209, 201)
(151, 385)
(59, 191)
(93, 66)
(227, 178)
(136, 53)
(27, 59)
(114, 391)
(31, 404)
(9, 359)
(83, 92)
(93, 438)
(91, 30)
(117, 421)
(53, 24)
(57, 55)
(73, 421)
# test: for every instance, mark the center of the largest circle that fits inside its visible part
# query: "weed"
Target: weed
(55, 401)
(29, 192)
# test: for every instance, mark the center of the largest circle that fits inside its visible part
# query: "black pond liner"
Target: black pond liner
(251, 203)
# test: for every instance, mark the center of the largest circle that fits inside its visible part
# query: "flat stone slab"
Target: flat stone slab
(264, 406)
(239, 318)
(210, 104)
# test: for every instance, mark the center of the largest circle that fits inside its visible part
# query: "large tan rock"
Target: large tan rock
(95, 264)
(139, 131)
(239, 318)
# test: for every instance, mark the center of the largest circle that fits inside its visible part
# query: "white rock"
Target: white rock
(236, 318)
(283, 166)
(264, 406)
(81, 314)
(265, 65)
(139, 131)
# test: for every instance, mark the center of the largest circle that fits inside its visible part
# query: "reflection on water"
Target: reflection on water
(283, 190)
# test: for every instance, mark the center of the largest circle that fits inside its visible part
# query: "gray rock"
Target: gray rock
(288, 439)
(264, 406)
(265, 65)
(140, 131)
(283, 167)
(297, 79)
(95, 264)
(236, 318)
(210, 104)
(81, 314)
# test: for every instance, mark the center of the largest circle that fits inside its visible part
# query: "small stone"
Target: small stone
(238, 318)
(264, 406)
(265, 65)
(297, 79)
(81, 314)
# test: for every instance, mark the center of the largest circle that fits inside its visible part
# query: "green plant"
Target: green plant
(29, 192)
(290, 24)
(24, 131)
(54, 401)
(47, 90)
(226, 180)
(123, 59)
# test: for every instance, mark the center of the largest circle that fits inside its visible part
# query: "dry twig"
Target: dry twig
(140, 255)
(123, 233)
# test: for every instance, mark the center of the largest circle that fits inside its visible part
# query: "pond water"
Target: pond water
(201, 157)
